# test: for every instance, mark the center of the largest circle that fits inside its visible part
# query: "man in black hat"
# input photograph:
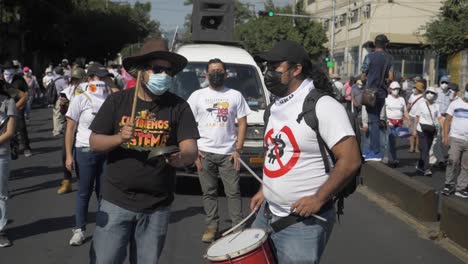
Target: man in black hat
(12, 76)
(137, 192)
(294, 169)
(377, 73)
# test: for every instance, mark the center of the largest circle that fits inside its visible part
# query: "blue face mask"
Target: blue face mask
(159, 83)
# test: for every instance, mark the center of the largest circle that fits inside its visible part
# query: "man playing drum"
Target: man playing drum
(294, 168)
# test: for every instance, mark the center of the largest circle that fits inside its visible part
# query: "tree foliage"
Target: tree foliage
(259, 34)
(94, 29)
(448, 33)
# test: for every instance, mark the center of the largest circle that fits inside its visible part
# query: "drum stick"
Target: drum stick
(284, 200)
(135, 97)
(239, 224)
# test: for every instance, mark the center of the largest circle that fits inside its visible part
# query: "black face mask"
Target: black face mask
(273, 83)
(216, 79)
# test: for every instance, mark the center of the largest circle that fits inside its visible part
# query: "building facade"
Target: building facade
(358, 22)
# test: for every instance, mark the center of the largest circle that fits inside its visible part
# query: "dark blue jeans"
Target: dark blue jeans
(117, 227)
(89, 169)
(374, 120)
(392, 136)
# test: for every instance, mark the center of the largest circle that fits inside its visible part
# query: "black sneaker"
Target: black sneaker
(4, 242)
(448, 190)
(462, 194)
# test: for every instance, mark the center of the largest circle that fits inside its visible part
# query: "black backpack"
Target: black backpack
(51, 92)
(310, 117)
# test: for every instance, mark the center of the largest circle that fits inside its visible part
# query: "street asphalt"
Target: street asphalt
(41, 221)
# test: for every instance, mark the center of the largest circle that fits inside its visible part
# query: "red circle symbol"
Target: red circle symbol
(283, 168)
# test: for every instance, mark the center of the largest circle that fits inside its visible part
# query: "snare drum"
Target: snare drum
(249, 246)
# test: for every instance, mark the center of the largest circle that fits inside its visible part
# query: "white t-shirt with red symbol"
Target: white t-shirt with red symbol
(293, 165)
(216, 112)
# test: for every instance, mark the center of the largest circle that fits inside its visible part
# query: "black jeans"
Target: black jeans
(22, 132)
(425, 143)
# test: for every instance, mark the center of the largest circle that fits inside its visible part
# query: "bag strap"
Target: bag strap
(382, 79)
(411, 106)
(430, 113)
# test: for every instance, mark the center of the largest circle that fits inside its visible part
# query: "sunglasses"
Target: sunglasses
(159, 69)
(444, 82)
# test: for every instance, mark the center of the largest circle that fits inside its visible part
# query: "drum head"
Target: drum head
(237, 244)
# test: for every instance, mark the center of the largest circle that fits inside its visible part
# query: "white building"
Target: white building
(358, 22)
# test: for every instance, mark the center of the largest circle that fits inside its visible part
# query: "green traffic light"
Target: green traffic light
(271, 13)
(327, 59)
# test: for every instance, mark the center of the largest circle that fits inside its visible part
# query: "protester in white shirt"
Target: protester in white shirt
(414, 99)
(439, 153)
(216, 109)
(456, 122)
(89, 165)
(66, 97)
(395, 111)
(293, 167)
(428, 119)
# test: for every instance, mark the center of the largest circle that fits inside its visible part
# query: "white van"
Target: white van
(243, 75)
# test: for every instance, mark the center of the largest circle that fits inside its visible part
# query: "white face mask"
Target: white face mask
(8, 74)
(430, 96)
(395, 92)
(444, 86)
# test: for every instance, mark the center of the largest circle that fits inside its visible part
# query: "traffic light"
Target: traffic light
(327, 59)
(265, 13)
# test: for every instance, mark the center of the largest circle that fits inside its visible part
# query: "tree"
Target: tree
(94, 29)
(259, 34)
(448, 33)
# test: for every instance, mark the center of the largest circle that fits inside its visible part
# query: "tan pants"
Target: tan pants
(58, 119)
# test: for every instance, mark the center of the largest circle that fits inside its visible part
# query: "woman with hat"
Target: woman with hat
(414, 99)
(136, 193)
(426, 123)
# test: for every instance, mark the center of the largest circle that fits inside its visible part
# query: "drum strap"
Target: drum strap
(292, 219)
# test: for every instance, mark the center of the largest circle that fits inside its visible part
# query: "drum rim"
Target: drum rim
(238, 253)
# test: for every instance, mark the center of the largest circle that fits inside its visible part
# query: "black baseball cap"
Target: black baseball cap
(381, 39)
(284, 50)
(453, 86)
(98, 70)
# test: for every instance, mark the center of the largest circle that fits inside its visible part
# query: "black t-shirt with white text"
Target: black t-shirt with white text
(129, 180)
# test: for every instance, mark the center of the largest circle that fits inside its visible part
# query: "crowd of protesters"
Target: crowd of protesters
(91, 110)
(424, 117)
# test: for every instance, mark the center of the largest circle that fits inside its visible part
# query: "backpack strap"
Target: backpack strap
(310, 117)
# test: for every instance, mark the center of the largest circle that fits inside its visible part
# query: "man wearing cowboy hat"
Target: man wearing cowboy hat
(136, 193)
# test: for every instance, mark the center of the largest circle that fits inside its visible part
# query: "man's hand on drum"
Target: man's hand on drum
(257, 200)
(307, 206)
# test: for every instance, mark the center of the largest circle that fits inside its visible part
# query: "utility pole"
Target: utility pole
(294, 12)
(332, 38)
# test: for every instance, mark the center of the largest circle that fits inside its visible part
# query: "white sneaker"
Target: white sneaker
(77, 238)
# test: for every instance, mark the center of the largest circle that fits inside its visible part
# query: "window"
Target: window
(353, 16)
(366, 11)
(326, 24)
(342, 20)
(243, 78)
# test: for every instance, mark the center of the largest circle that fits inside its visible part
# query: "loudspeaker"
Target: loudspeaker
(213, 21)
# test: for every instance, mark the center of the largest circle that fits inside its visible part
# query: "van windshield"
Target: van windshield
(241, 77)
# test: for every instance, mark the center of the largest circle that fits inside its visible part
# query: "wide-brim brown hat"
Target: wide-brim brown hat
(155, 48)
